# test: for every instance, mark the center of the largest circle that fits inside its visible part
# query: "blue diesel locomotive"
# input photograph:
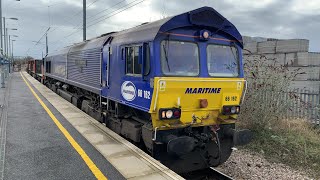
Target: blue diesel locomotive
(172, 87)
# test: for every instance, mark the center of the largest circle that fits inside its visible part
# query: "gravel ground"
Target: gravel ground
(245, 165)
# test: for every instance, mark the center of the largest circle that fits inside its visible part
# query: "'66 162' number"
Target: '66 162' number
(144, 94)
(231, 98)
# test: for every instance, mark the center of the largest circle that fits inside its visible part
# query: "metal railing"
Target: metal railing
(298, 103)
(293, 104)
(306, 106)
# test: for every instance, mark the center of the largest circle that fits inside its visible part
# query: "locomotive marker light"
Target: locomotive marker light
(204, 35)
(177, 114)
(163, 114)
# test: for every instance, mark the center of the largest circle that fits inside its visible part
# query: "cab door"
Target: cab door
(122, 78)
(135, 86)
(107, 57)
(105, 66)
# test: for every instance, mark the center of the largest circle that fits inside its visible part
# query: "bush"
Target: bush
(268, 96)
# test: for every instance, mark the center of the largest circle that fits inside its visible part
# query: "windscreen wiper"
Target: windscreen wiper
(166, 56)
(235, 58)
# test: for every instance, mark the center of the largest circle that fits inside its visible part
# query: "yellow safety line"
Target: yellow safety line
(95, 170)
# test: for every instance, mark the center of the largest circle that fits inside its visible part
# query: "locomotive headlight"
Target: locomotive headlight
(169, 114)
(205, 34)
(233, 110)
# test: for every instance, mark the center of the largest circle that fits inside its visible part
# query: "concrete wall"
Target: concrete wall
(292, 45)
(314, 58)
(276, 46)
(292, 53)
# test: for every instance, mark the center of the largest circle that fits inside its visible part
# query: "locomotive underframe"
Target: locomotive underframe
(182, 150)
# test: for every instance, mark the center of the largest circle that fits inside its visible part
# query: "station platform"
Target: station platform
(44, 136)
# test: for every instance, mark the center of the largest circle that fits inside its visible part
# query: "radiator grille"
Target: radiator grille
(206, 17)
(84, 67)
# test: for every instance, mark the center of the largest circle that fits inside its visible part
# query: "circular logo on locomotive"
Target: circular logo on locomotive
(128, 91)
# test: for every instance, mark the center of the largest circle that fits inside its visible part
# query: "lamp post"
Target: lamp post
(13, 40)
(4, 35)
(6, 39)
(1, 27)
(12, 59)
(9, 46)
(84, 20)
(5, 32)
(10, 49)
(1, 43)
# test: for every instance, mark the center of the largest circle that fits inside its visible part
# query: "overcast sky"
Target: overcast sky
(282, 19)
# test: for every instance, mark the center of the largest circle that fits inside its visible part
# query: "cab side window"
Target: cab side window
(147, 61)
(133, 67)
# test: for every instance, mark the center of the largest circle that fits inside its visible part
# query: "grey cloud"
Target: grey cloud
(275, 20)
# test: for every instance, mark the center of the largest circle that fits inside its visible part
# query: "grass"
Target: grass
(292, 142)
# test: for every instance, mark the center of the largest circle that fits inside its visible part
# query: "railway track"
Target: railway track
(206, 174)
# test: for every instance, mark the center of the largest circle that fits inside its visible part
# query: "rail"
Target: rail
(206, 174)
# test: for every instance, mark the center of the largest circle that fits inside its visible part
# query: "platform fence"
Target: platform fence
(302, 104)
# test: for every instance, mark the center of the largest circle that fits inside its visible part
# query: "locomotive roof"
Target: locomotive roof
(205, 17)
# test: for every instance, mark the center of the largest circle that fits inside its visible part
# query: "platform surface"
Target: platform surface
(33, 147)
